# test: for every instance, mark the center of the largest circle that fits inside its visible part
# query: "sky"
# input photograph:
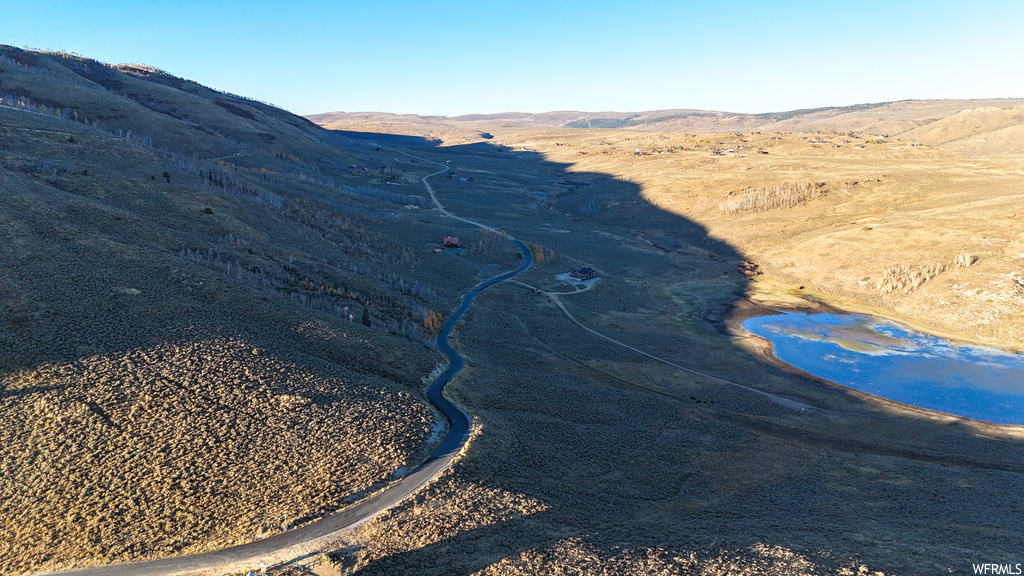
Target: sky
(483, 56)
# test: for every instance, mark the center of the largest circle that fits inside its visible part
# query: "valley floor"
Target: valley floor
(591, 457)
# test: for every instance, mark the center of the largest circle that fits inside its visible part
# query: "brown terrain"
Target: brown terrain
(907, 209)
(592, 458)
(186, 363)
(211, 327)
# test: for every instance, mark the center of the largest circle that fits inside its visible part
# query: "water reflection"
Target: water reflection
(887, 359)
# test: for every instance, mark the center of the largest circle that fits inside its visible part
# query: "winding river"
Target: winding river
(887, 359)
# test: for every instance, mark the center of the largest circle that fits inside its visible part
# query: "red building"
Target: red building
(451, 242)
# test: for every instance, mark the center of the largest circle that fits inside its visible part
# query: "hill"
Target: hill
(214, 319)
(895, 194)
(214, 314)
(909, 118)
(613, 435)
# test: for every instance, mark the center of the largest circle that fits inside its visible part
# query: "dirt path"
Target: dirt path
(554, 296)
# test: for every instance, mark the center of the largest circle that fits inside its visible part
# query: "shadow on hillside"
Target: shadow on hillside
(623, 456)
(632, 463)
(347, 137)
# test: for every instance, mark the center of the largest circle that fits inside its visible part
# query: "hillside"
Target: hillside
(924, 120)
(214, 315)
(633, 427)
(922, 233)
(937, 179)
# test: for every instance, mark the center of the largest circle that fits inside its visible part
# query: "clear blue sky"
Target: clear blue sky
(461, 57)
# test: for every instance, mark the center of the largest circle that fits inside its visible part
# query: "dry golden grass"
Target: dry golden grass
(177, 449)
(882, 227)
(448, 509)
(576, 556)
(132, 372)
(886, 225)
(639, 468)
(414, 538)
(154, 234)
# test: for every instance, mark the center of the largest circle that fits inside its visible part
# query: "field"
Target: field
(592, 458)
(215, 318)
(918, 226)
(912, 231)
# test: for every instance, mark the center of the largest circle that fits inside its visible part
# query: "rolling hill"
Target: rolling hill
(193, 284)
(930, 121)
(601, 458)
(215, 317)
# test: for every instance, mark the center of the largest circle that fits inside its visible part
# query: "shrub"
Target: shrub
(905, 279)
(763, 199)
(964, 260)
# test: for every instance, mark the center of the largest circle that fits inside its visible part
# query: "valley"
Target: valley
(217, 318)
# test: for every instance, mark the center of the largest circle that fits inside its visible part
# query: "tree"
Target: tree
(366, 316)
(167, 176)
(433, 322)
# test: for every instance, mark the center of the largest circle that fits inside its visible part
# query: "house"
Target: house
(437, 251)
(584, 274)
(451, 242)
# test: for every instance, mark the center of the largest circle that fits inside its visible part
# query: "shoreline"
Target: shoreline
(809, 301)
(763, 349)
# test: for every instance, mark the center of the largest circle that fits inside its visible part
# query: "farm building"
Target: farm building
(584, 274)
(451, 242)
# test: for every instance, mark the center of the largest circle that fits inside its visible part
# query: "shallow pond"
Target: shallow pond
(895, 362)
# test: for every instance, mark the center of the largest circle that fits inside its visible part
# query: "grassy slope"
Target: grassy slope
(880, 118)
(590, 458)
(890, 214)
(183, 363)
(886, 213)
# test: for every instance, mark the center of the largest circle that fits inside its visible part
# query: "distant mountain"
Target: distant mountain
(883, 117)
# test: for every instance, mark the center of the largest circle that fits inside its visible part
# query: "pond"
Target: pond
(893, 361)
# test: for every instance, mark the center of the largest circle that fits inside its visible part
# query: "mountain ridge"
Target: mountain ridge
(895, 117)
